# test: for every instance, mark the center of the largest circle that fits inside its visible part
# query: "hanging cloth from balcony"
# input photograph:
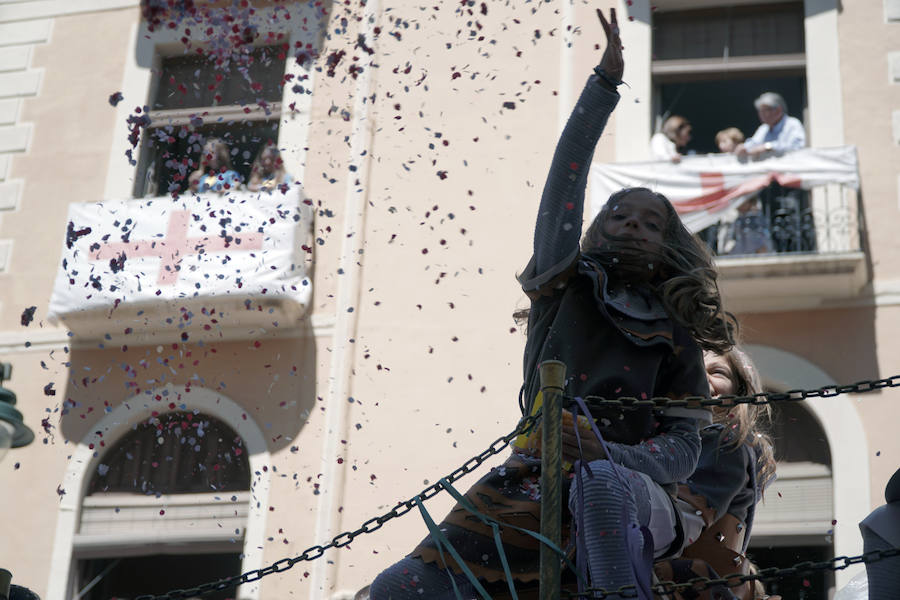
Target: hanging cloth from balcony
(702, 188)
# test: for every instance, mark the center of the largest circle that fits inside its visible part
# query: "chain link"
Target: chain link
(627, 403)
(698, 584)
(346, 537)
(525, 426)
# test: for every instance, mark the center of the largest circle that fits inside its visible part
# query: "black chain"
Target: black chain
(626, 403)
(346, 537)
(698, 584)
(525, 426)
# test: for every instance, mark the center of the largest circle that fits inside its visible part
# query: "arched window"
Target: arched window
(175, 453)
(794, 523)
(166, 508)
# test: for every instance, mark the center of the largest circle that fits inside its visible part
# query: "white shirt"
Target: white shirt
(661, 147)
(787, 134)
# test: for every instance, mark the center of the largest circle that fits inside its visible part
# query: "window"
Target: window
(709, 65)
(793, 523)
(729, 31)
(236, 98)
(726, 100)
(129, 577)
(166, 509)
(176, 453)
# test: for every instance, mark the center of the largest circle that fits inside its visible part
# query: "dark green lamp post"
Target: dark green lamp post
(14, 433)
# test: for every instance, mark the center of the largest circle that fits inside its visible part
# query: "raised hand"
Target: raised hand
(612, 62)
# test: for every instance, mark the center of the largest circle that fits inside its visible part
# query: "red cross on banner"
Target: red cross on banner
(175, 246)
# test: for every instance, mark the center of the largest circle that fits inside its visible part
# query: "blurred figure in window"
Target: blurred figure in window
(749, 232)
(214, 173)
(675, 134)
(268, 171)
(729, 139)
(778, 132)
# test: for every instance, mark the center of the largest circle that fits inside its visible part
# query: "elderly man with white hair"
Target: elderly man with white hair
(778, 132)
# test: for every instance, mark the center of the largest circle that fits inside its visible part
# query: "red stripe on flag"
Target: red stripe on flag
(712, 180)
(713, 188)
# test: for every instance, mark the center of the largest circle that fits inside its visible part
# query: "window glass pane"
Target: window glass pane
(729, 31)
(175, 453)
(193, 81)
(772, 32)
(715, 104)
(686, 35)
(172, 152)
(157, 574)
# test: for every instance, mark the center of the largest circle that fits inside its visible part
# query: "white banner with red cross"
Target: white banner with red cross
(146, 253)
(702, 188)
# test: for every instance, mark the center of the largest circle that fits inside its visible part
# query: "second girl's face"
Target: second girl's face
(719, 374)
(639, 216)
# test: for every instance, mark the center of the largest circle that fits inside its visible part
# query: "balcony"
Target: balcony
(815, 258)
(785, 229)
(200, 267)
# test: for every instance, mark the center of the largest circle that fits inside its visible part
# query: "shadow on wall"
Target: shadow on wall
(271, 379)
(838, 346)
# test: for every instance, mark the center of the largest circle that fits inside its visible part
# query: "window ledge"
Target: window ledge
(127, 524)
(769, 62)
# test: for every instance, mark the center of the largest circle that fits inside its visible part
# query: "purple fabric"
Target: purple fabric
(638, 539)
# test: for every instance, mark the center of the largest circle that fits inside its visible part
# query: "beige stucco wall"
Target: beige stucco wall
(65, 162)
(849, 345)
(433, 384)
(869, 100)
(69, 149)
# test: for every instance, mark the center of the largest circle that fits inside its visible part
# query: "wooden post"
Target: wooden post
(553, 378)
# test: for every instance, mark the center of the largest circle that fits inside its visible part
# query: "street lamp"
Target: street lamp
(14, 433)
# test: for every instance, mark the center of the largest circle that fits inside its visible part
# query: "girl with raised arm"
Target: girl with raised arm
(622, 310)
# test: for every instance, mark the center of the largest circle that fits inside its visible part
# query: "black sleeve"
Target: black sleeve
(558, 228)
(722, 477)
(684, 374)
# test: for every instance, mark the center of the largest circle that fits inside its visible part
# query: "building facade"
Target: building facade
(218, 381)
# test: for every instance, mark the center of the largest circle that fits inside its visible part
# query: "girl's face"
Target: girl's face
(727, 145)
(269, 160)
(211, 155)
(639, 216)
(683, 136)
(719, 374)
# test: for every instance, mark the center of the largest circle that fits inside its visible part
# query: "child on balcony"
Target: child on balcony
(268, 171)
(728, 139)
(622, 311)
(214, 173)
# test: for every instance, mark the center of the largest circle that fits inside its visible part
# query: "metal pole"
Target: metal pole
(553, 377)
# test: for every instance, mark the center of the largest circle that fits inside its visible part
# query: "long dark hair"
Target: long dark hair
(743, 422)
(682, 273)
